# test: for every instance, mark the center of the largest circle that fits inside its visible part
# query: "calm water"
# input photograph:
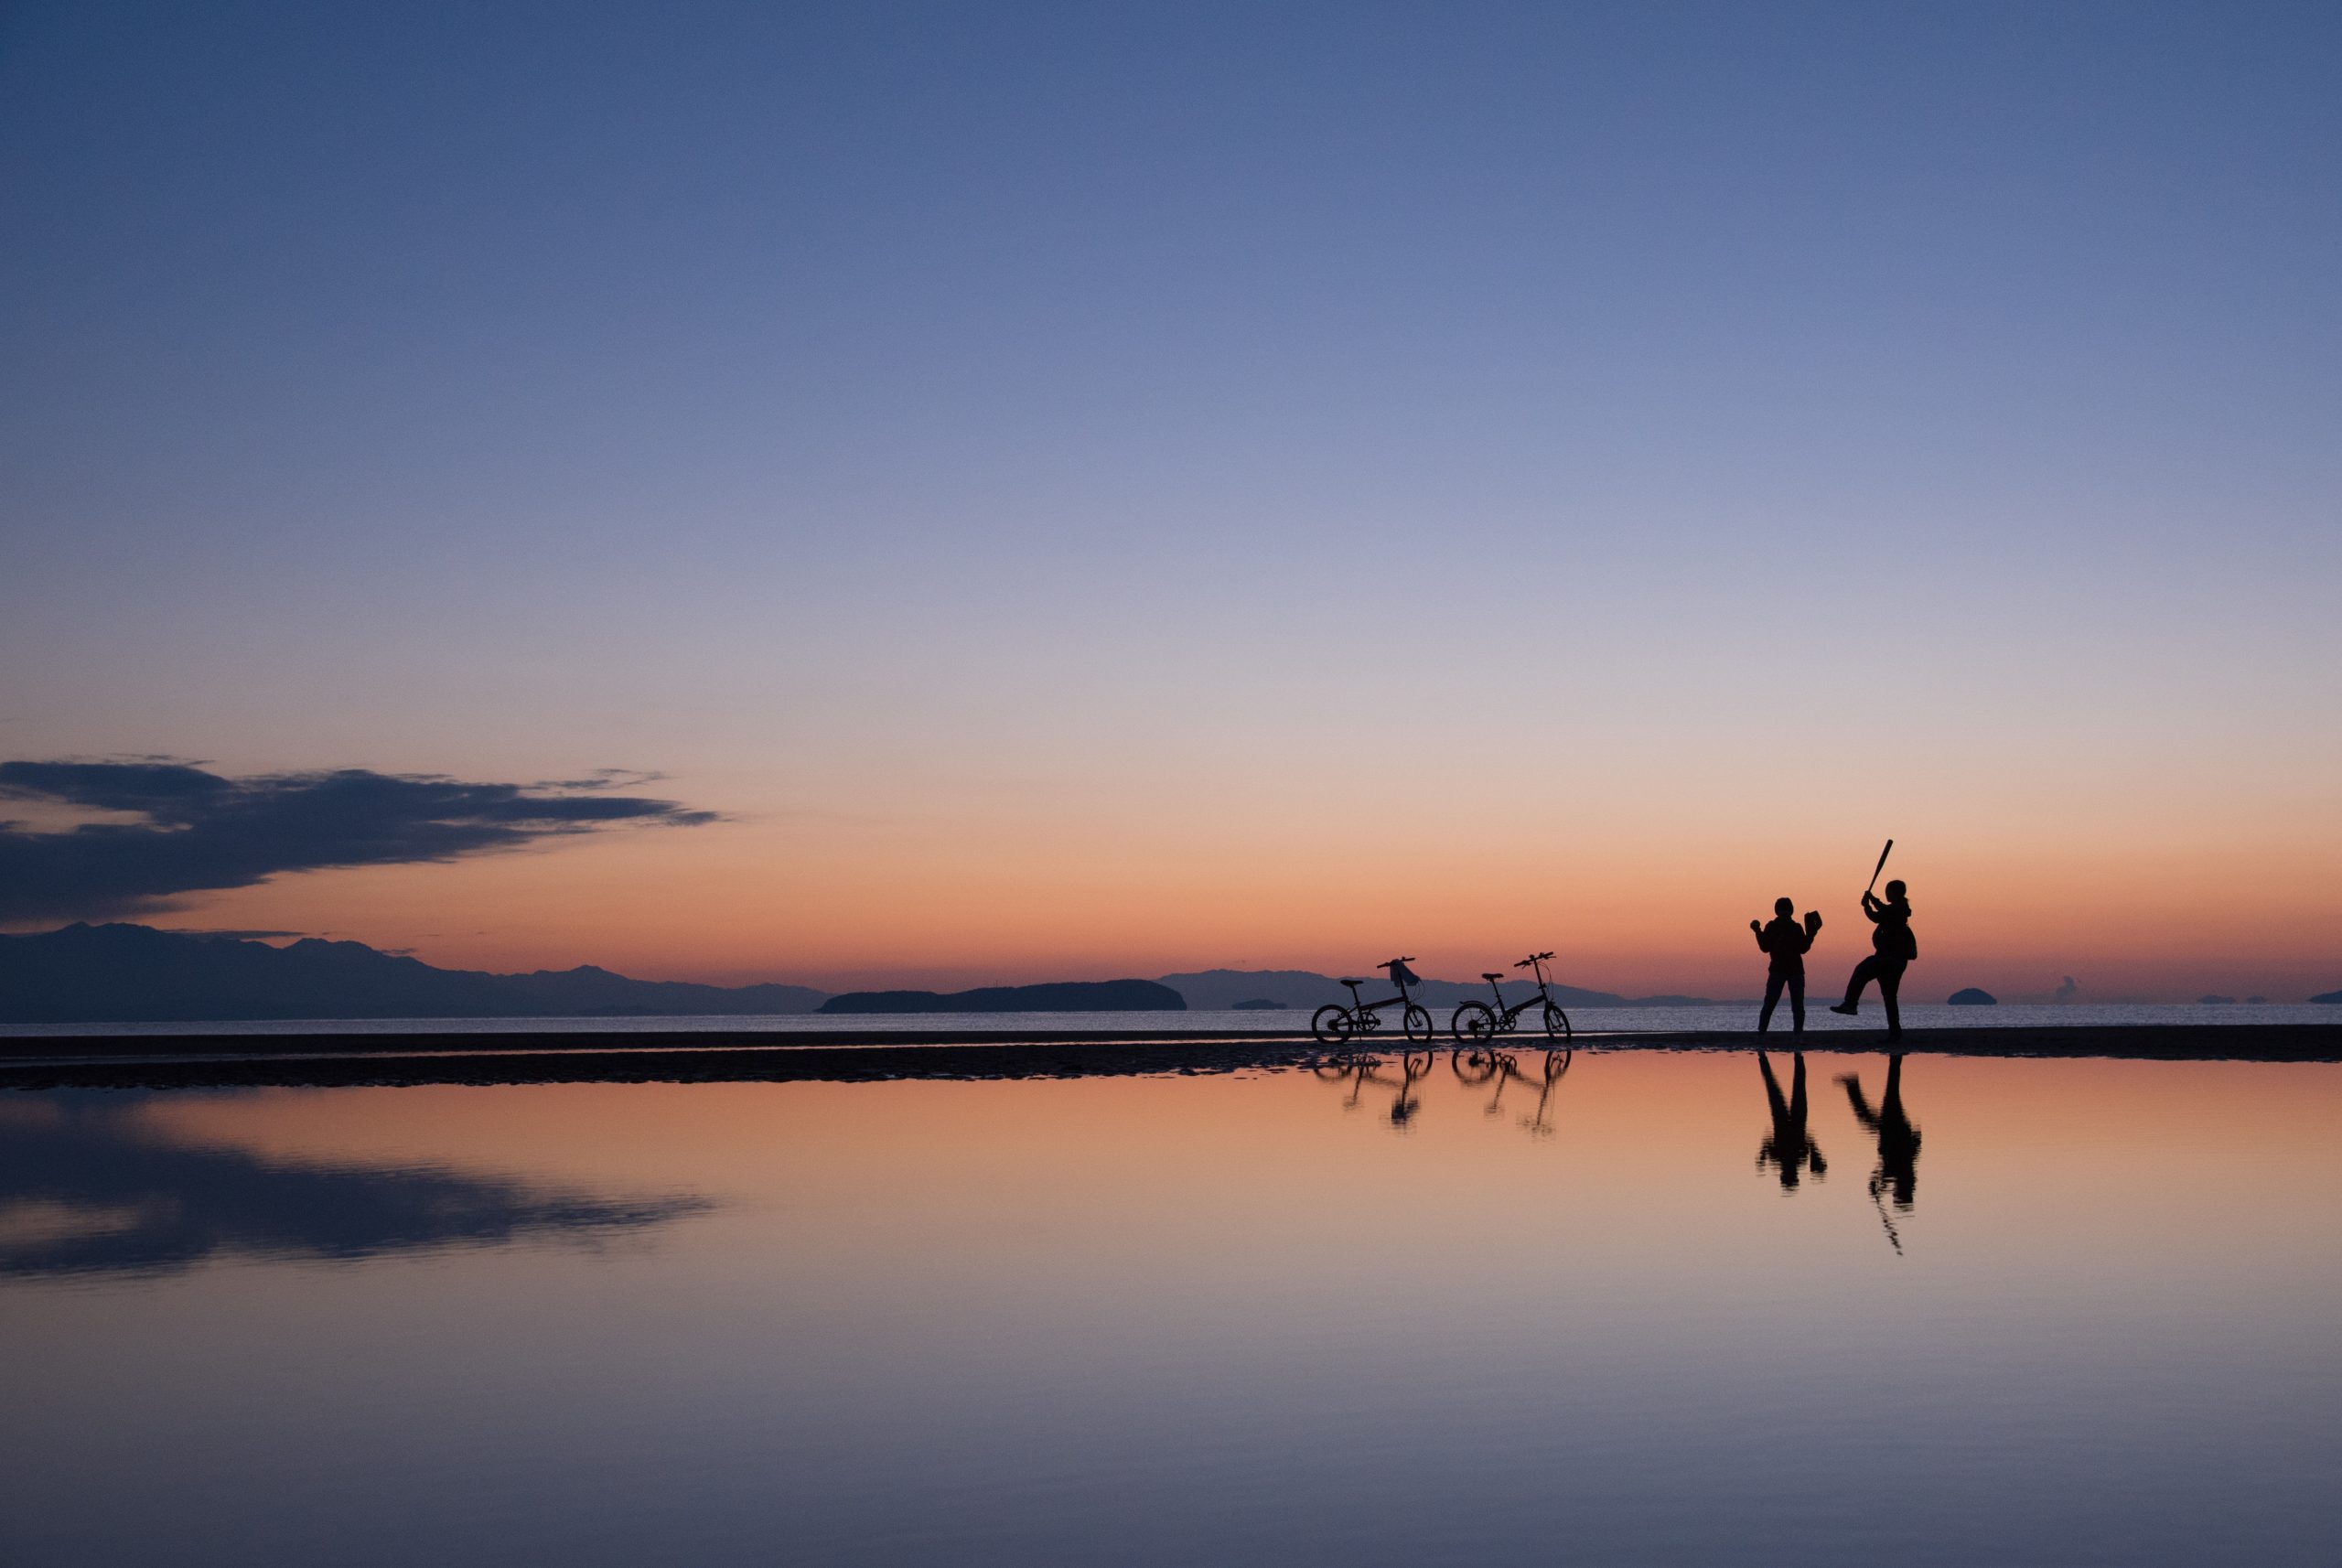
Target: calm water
(1585, 1020)
(2051, 1312)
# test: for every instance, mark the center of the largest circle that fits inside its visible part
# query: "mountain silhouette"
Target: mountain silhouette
(136, 974)
(130, 975)
(1065, 996)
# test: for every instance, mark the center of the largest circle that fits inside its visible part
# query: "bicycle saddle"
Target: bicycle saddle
(1498, 975)
(1348, 982)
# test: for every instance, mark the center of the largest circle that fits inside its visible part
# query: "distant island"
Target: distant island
(136, 974)
(1065, 996)
(1973, 996)
(2331, 999)
(1258, 1004)
(2216, 1001)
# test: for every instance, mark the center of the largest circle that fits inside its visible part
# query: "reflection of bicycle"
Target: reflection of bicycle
(1361, 1071)
(1475, 1022)
(1336, 1025)
(1476, 1068)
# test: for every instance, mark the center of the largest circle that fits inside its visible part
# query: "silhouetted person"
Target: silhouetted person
(1787, 942)
(1898, 1141)
(1891, 946)
(1788, 1147)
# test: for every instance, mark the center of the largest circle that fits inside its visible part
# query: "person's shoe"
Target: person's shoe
(1845, 1007)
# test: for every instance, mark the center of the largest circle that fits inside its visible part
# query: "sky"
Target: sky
(949, 494)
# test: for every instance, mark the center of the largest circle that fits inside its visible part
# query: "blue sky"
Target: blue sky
(1103, 409)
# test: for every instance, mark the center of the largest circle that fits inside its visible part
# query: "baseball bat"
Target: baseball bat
(1880, 866)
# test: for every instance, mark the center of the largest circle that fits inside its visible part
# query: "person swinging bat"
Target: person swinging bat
(1892, 946)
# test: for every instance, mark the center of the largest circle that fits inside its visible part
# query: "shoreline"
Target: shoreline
(30, 1062)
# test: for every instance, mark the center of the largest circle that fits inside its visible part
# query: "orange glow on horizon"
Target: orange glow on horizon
(1638, 912)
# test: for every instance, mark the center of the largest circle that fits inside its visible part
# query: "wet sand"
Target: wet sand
(228, 1060)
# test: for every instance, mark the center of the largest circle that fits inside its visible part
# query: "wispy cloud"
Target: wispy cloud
(202, 830)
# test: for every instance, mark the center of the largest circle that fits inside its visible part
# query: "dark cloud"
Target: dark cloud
(202, 830)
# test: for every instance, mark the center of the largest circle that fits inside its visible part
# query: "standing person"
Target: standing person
(1891, 946)
(1786, 942)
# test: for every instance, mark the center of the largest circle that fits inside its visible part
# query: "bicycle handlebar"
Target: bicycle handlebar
(1387, 962)
(1532, 958)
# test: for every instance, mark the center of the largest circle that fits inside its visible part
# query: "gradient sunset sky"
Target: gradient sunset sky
(1095, 490)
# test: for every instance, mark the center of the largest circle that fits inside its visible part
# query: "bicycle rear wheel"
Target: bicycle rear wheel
(1333, 1025)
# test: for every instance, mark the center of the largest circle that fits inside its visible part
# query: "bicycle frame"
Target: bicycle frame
(1401, 1000)
(1508, 1012)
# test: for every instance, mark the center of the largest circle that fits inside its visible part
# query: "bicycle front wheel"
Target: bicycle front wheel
(1557, 1022)
(1418, 1024)
(1333, 1025)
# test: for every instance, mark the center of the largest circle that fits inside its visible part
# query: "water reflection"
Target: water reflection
(1790, 1148)
(1475, 1064)
(97, 1188)
(1898, 1144)
(1360, 1071)
(1158, 1321)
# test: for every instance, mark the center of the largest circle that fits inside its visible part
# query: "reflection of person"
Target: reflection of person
(1789, 1147)
(1786, 942)
(1892, 946)
(1898, 1141)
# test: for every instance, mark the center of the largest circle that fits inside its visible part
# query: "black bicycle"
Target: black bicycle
(1477, 1022)
(1334, 1024)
